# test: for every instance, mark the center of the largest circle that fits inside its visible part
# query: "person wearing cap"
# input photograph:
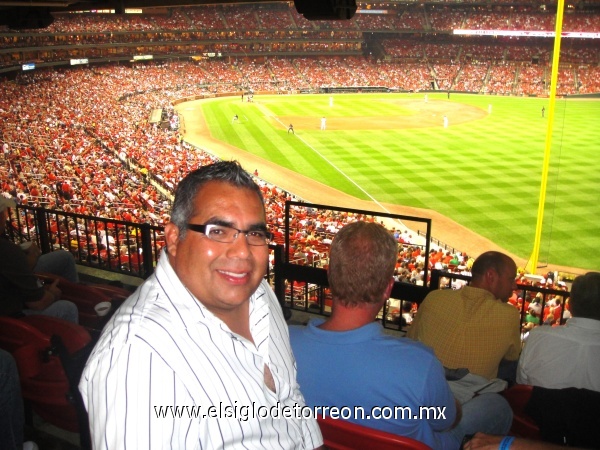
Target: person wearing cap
(21, 292)
(567, 356)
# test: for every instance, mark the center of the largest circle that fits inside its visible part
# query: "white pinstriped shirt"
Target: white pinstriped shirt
(164, 348)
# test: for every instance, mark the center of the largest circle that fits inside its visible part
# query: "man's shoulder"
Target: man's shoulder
(541, 333)
(368, 336)
(437, 297)
(404, 344)
(505, 308)
(144, 313)
(442, 294)
(297, 330)
(471, 294)
(540, 340)
(299, 333)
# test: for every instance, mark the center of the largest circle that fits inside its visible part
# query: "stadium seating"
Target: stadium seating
(87, 296)
(343, 435)
(523, 426)
(50, 354)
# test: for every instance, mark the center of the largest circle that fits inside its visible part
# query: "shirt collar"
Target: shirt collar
(364, 333)
(475, 292)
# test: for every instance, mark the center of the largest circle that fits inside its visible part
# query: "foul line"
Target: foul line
(340, 171)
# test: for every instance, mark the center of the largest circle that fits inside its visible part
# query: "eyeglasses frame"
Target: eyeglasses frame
(205, 228)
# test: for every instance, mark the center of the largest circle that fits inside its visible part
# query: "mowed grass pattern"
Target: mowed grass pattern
(484, 174)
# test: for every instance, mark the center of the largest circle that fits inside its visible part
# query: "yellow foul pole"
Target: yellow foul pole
(533, 260)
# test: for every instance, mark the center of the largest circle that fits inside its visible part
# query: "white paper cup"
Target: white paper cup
(102, 308)
(25, 246)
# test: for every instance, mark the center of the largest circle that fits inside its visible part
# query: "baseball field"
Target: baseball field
(482, 171)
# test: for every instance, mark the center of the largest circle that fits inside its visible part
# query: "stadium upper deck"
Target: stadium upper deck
(276, 29)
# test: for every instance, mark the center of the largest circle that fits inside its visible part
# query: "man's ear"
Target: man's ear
(491, 276)
(390, 286)
(171, 238)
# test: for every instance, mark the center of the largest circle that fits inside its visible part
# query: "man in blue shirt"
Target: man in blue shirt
(347, 360)
(392, 384)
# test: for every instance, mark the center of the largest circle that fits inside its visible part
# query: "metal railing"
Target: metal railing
(107, 244)
(133, 249)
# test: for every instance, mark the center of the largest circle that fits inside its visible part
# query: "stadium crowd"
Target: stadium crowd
(92, 151)
(242, 30)
(84, 157)
(284, 16)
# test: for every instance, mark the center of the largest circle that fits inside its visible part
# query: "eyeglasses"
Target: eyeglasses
(226, 234)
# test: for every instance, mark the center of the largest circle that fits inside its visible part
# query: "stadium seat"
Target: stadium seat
(523, 425)
(567, 417)
(343, 435)
(132, 262)
(87, 296)
(50, 354)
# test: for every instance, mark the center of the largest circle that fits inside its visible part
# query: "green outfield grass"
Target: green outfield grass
(484, 174)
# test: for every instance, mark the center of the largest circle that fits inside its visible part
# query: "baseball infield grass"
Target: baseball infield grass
(484, 170)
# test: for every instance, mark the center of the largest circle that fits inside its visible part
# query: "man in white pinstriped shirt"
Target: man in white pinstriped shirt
(204, 331)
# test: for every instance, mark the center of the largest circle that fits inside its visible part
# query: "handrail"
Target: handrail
(122, 247)
(107, 244)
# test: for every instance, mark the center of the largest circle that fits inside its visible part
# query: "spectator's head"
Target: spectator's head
(585, 296)
(362, 260)
(221, 265)
(535, 309)
(227, 172)
(495, 272)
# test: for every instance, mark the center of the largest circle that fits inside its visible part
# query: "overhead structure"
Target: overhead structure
(326, 9)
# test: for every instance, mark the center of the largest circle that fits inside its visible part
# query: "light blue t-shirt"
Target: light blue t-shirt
(366, 368)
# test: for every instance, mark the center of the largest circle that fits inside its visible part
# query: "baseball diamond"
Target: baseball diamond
(479, 179)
